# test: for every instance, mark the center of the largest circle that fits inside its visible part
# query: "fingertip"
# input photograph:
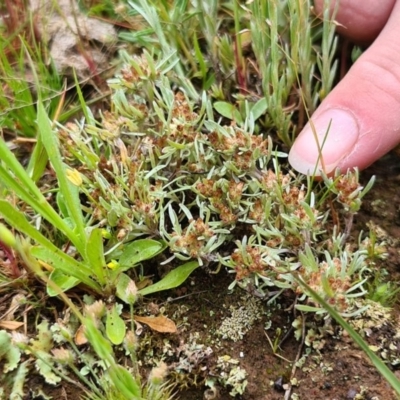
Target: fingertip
(360, 21)
(324, 142)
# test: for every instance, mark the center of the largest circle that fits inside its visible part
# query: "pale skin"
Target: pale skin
(360, 118)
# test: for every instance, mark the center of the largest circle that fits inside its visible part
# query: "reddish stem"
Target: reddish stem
(14, 270)
(239, 68)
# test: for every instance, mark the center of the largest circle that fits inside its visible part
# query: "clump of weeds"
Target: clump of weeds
(185, 169)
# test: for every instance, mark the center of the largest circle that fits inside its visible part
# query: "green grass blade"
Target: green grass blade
(37, 162)
(10, 161)
(67, 189)
(25, 188)
(82, 102)
(17, 220)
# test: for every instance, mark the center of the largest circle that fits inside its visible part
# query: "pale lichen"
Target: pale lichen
(232, 375)
(241, 320)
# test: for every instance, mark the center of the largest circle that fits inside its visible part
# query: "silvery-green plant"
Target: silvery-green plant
(291, 46)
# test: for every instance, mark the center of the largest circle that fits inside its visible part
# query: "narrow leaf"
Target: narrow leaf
(34, 199)
(68, 190)
(124, 382)
(17, 220)
(95, 255)
(100, 344)
(259, 108)
(38, 161)
(9, 159)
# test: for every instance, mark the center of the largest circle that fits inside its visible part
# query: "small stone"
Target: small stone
(351, 394)
(278, 384)
(327, 386)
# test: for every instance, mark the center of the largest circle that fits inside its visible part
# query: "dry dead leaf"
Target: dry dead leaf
(72, 36)
(17, 301)
(159, 324)
(80, 337)
(11, 325)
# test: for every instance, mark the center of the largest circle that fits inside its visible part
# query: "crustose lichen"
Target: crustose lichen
(241, 320)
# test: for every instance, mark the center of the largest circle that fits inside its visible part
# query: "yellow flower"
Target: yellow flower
(74, 177)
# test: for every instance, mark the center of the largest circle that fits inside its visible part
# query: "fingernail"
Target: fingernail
(337, 132)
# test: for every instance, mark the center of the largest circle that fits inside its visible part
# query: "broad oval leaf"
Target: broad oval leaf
(172, 280)
(115, 326)
(259, 108)
(139, 250)
(228, 110)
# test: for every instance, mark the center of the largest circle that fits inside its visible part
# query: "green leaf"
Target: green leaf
(124, 382)
(8, 351)
(5, 343)
(7, 237)
(37, 162)
(65, 264)
(100, 344)
(69, 191)
(326, 286)
(17, 391)
(115, 326)
(305, 308)
(64, 282)
(95, 254)
(16, 179)
(172, 280)
(139, 250)
(44, 366)
(21, 181)
(61, 205)
(17, 220)
(228, 110)
(259, 108)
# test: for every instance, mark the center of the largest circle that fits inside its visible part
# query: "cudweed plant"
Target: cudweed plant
(287, 43)
(167, 169)
(160, 165)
